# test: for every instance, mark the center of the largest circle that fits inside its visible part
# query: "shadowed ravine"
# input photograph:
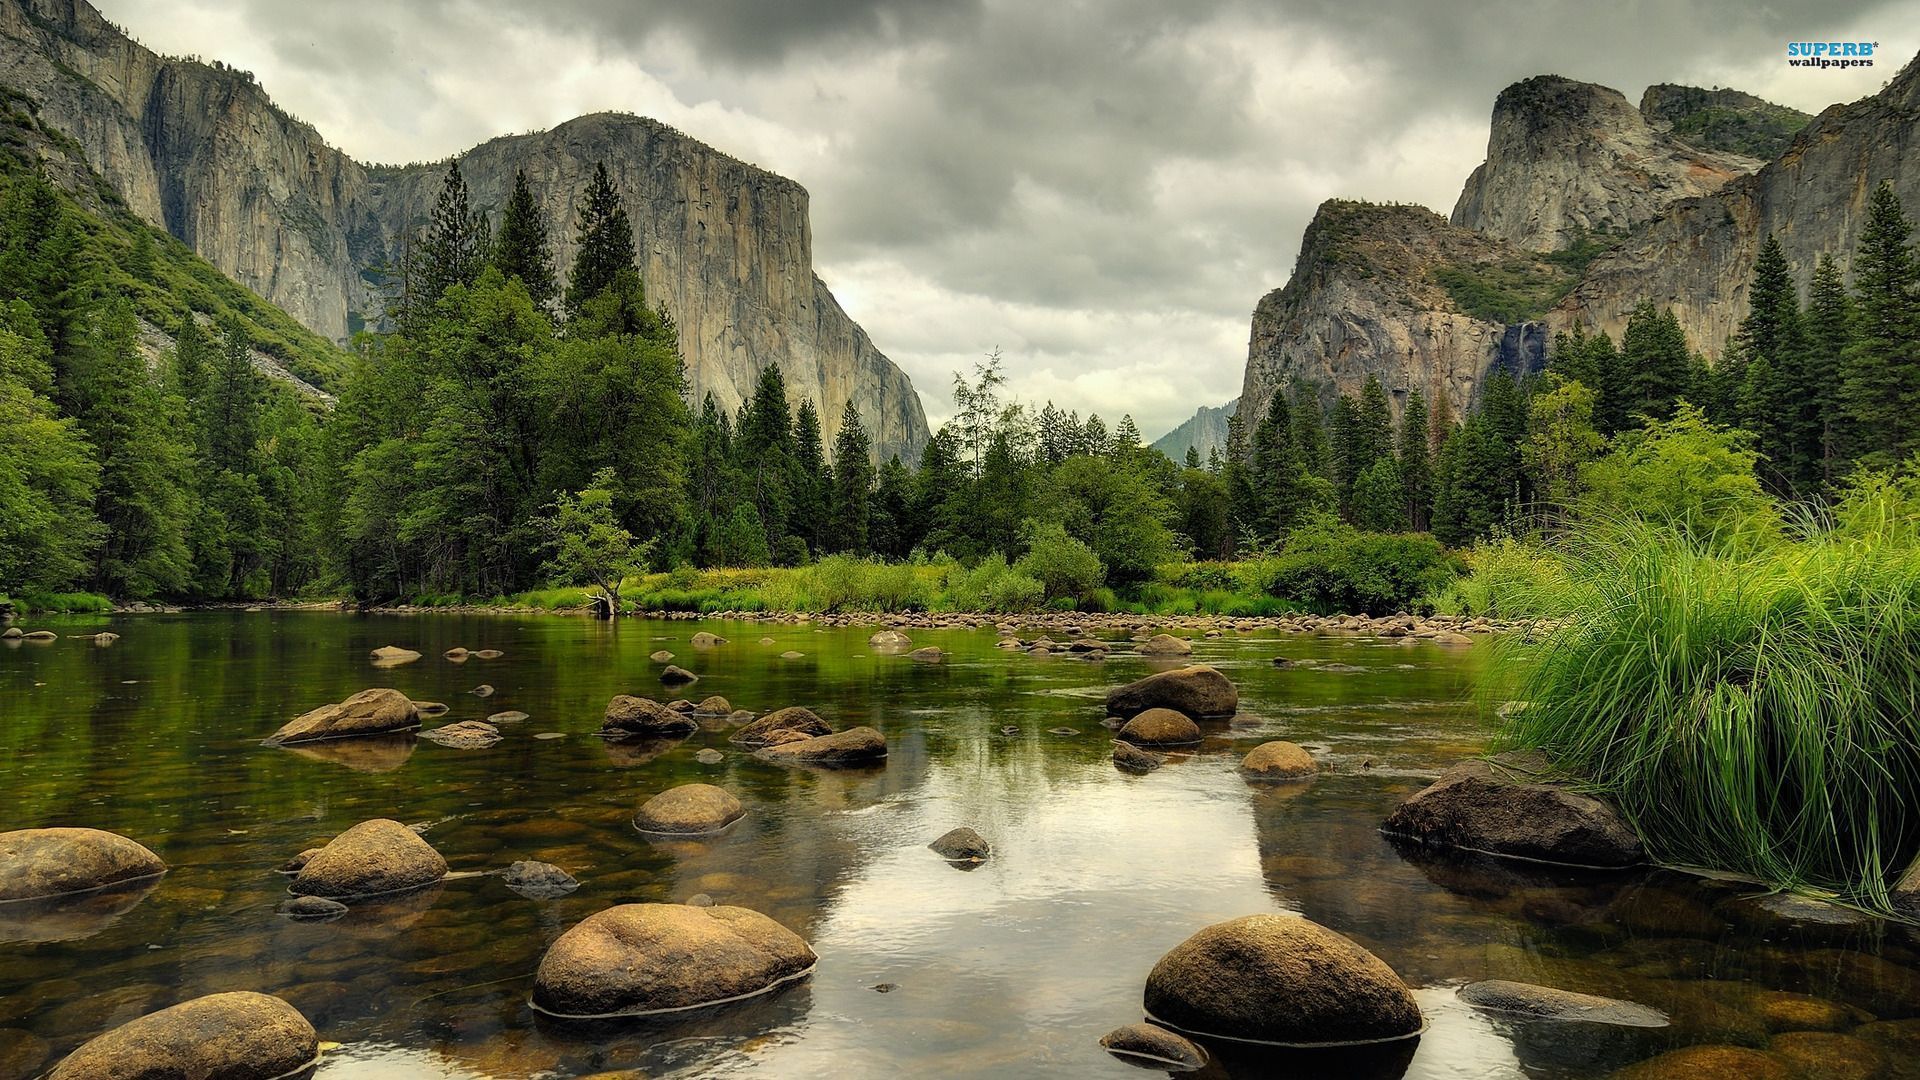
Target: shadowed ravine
(1016, 967)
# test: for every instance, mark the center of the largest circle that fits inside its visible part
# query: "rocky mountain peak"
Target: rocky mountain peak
(1569, 160)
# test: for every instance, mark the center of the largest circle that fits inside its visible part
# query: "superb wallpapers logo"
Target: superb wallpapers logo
(1831, 54)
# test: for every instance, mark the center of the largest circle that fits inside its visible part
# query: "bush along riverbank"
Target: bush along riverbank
(1744, 692)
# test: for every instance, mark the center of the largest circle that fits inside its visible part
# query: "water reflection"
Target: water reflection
(1015, 968)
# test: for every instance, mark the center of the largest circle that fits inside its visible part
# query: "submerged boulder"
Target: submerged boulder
(38, 863)
(1152, 1045)
(1546, 1003)
(1161, 727)
(962, 845)
(641, 959)
(629, 715)
(796, 718)
(312, 909)
(690, 809)
(1198, 690)
(889, 639)
(713, 706)
(660, 656)
(371, 859)
(1133, 759)
(1283, 980)
(1278, 760)
(465, 735)
(675, 675)
(854, 746)
(1712, 1063)
(1505, 808)
(538, 880)
(237, 1036)
(369, 712)
(704, 640)
(930, 654)
(393, 656)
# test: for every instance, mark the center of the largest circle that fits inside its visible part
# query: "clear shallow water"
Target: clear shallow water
(1012, 969)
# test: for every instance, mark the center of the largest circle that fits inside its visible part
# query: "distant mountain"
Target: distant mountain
(1206, 432)
(200, 150)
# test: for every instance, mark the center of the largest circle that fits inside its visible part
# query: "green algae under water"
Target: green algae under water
(1014, 968)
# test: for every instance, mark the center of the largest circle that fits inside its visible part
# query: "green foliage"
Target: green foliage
(1065, 567)
(604, 244)
(1330, 567)
(1881, 368)
(993, 586)
(1747, 708)
(1506, 578)
(588, 542)
(1685, 474)
(1509, 291)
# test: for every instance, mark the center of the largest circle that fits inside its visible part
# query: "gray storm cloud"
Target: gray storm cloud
(1101, 190)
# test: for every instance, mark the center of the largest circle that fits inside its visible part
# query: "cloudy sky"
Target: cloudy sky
(1102, 189)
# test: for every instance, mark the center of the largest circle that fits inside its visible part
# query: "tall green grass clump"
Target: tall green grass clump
(1750, 707)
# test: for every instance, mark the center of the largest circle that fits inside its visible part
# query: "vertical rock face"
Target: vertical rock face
(1569, 159)
(1363, 300)
(202, 150)
(1697, 258)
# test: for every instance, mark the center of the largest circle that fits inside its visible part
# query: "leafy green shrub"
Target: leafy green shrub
(1200, 575)
(1332, 568)
(1506, 579)
(1066, 568)
(993, 586)
(844, 583)
(45, 603)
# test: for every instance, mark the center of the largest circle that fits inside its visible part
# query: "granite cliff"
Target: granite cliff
(1205, 431)
(201, 150)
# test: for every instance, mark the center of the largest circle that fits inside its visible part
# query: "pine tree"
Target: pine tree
(48, 475)
(891, 512)
(1126, 438)
(1343, 449)
(450, 252)
(1416, 462)
(1880, 385)
(604, 239)
(764, 453)
(810, 483)
(1094, 437)
(1656, 365)
(520, 249)
(1243, 505)
(1828, 336)
(1774, 383)
(851, 512)
(1275, 473)
(232, 404)
(1373, 435)
(1379, 498)
(1192, 458)
(1309, 429)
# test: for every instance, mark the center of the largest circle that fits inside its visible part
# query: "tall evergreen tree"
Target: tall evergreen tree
(520, 248)
(450, 252)
(1416, 462)
(765, 455)
(604, 239)
(1828, 336)
(851, 511)
(811, 485)
(1656, 367)
(1373, 434)
(1881, 372)
(1344, 453)
(1275, 475)
(889, 532)
(48, 475)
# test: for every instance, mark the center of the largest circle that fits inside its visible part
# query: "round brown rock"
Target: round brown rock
(1279, 760)
(713, 706)
(796, 718)
(629, 715)
(36, 863)
(369, 712)
(889, 639)
(1502, 808)
(660, 656)
(1133, 759)
(1199, 691)
(854, 746)
(1281, 980)
(1166, 645)
(930, 654)
(1153, 1044)
(641, 959)
(238, 1036)
(675, 675)
(371, 859)
(704, 640)
(689, 809)
(1161, 727)
(393, 656)
(1712, 1063)
(962, 845)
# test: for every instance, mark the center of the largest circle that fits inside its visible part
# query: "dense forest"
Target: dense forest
(514, 423)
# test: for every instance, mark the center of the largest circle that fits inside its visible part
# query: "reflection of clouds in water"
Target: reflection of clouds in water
(373, 1061)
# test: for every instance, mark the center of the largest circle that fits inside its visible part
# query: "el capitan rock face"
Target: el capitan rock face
(203, 151)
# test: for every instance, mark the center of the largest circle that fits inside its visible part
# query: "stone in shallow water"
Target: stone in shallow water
(1199, 691)
(962, 845)
(393, 656)
(1712, 1063)
(1547, 1003)
(1161, 727)
(1282, 980)
(1133, 759)
(370, 712)
(1829, 1056)
(484, 690)
(370, 859)
(889, 639)
(509, 717)
(465, 735)
(629, 715)
(675, 675)
(792, 654)
(1786, 1011)
(931, 654)
(660, 656)
(237, 1036)
(709, 756)
(705, 640)
(641, 959)
(854, 746)
(1155, 1047)
(1163, 645)
(1500, 808)
(714, 705)
(312, 909)
(1279, 760)
(22, 1053)
(37, 863)
(690, 809)
(796, 718)
(538, 880)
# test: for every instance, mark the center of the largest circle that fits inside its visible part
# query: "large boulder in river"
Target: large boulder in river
(629, 715)
(371, 859)
(854, 746)
(1278, 760)
(237, 1036)
(37, 863)
(641, 959)
(369, 712)
(1166, 645)
(1279, 979)
(1198, 690)
(1508, 809)
(1160, 727)
(705, 640)
(889, 640)
(795, 718)
(688, 810)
